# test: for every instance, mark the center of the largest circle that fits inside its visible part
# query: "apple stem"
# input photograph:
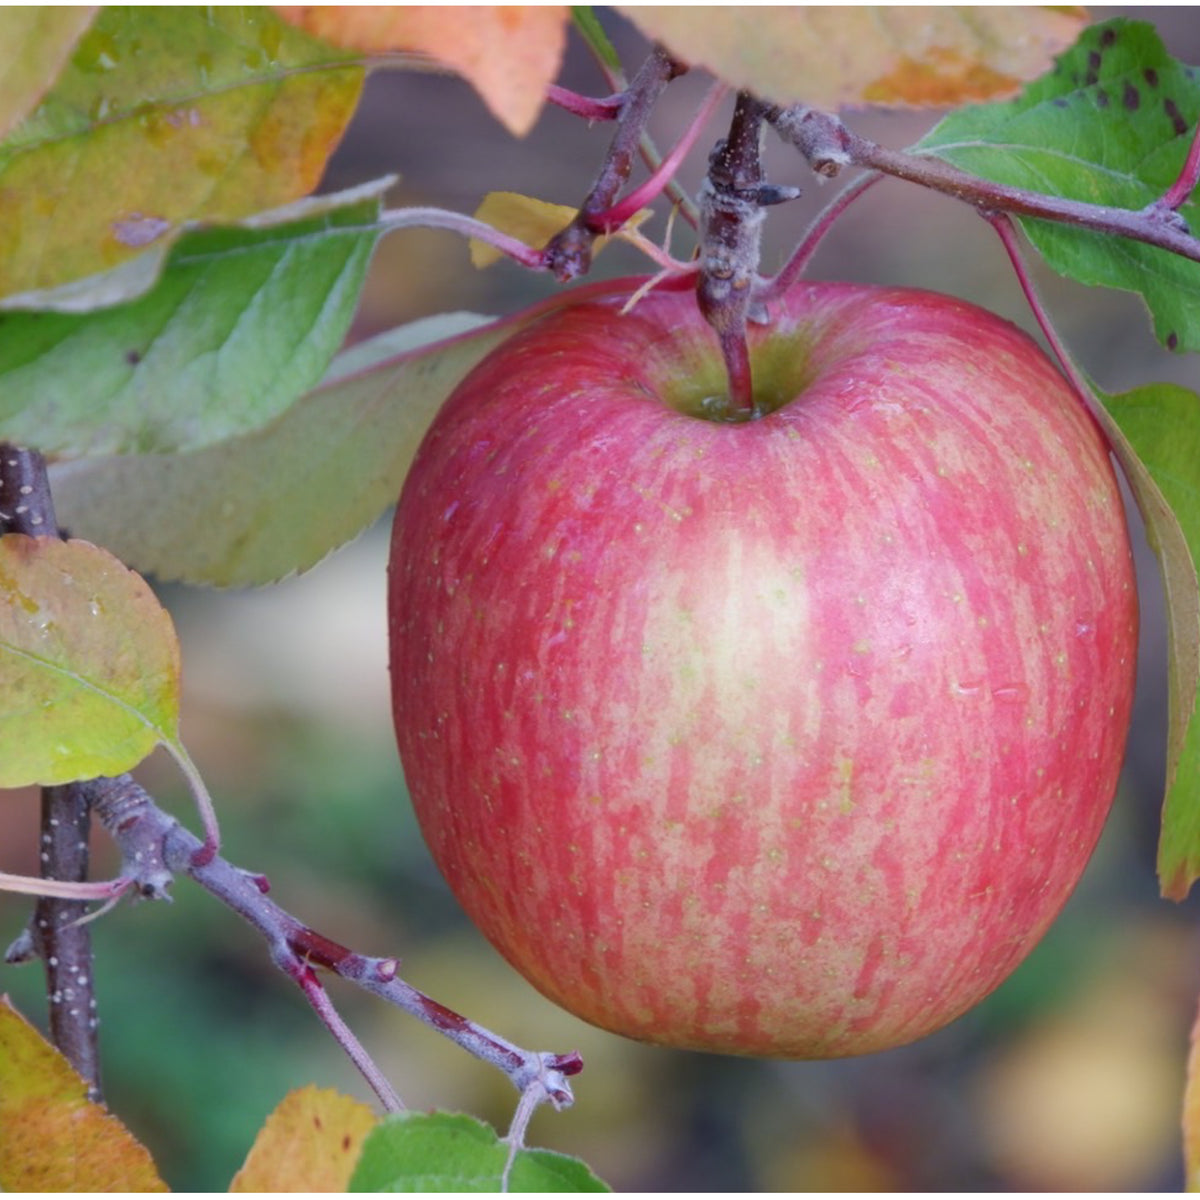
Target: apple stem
(155, 849)
(732, 199)
(569, 253)
(829, 145)
(55, 933)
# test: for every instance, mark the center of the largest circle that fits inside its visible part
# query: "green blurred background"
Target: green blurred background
(1068, 1078)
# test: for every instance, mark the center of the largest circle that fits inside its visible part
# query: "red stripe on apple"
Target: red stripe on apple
(787, 736)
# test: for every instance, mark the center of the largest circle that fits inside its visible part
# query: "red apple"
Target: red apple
(787, 737)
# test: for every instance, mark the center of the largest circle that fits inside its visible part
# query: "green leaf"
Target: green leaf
(37, 41)
(89, 664)
(241, 321)
(166, 115)
(1110, 125)
(443, 1152)
(1155, 432)
(254, 509)
(589, 28)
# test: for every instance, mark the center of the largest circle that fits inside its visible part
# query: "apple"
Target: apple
(786, 736)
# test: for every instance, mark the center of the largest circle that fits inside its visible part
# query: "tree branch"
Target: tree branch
(569, 253)
(155, 848)
(649, 191)
(54, 934)
(829, 145)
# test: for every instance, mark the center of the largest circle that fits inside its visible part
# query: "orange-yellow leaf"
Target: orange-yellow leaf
(52, 1138)
(510, 54)
(891, 55)
(310, 1143)
(535, 222)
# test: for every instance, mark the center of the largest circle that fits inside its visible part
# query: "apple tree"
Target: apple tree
(201, 388)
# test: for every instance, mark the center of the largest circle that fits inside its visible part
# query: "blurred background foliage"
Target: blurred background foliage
(1068, 1078)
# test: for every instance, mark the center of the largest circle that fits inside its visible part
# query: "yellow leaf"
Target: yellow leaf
(52, 1138)
(899, 56)
(510, 54)
(534, 222)
(310, 1143)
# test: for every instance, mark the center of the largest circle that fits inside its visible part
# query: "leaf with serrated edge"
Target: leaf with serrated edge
(509, 54)
(52, 1138)
(256, 509)
(1155, 432)
(1110, 125)
(89, 664)
(310, 1143)
(897, 56)
(37, 41)
(449, 1152)
(242, 321)
(162, 116)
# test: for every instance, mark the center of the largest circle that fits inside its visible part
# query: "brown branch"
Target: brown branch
(155, 848)
(569, 253)
(54, 934)
(829, 145)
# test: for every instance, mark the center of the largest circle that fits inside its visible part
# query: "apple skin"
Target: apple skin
(787, 737)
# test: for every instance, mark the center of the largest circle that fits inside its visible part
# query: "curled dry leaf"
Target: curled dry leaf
(896, 56)
(510, 54)
(533, 221)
